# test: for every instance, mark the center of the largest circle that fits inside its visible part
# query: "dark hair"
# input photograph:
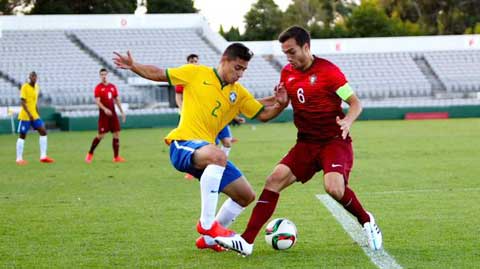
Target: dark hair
(191, 56)
(238, 50)
(300, 35)
(33, 73)
(103, 70)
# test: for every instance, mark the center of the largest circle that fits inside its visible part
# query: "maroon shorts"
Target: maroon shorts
(305, 159)
(108, 124)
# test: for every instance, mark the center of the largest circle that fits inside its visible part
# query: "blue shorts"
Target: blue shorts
(181, 153)
(24, 125)
(225, 132)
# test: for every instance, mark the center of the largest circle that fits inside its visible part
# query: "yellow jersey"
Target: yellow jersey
(30, 94)
(208, 104)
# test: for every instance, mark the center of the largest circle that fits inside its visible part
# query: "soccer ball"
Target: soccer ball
(281, 234)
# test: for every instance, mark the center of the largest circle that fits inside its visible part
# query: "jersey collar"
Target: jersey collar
(222, 84)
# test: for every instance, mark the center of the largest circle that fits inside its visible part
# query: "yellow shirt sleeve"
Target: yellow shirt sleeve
(182, 75)
(23, 92)
(249, 106)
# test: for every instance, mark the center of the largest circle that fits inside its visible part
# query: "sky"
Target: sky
(229, 12)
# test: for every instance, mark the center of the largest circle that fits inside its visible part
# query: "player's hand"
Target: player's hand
(124, 117)
(108, 112)
(281, 94)
(123, 61)
(344, 126)
(237, 121)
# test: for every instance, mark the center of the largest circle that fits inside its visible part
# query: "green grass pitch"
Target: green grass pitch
(419, 178)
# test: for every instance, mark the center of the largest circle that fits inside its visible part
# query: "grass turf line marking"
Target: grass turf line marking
(380, 257)
(423, 190)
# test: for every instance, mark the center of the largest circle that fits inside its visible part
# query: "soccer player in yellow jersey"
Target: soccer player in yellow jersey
(212, 97)
(29, 116)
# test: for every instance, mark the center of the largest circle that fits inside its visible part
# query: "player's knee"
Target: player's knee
(334, 189)
(246, 199)
(227, 143)
(218, 158)
(275, 181)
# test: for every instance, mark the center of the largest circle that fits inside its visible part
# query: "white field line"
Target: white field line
(422, 191)
(380, 257)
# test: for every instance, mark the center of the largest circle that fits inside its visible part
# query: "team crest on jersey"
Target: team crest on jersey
(313, 79)
(233, 97)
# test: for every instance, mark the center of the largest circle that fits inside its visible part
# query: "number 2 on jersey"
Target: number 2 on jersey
(214, 111)
(300, 96)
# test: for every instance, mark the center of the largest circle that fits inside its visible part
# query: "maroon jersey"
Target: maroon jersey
(107, 94)
(314, 99)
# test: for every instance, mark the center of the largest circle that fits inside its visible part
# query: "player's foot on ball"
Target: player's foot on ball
(89, 158)
(202, 244)
(235, 243)
(215, 230)
(188, 176)
(47, 159)
(374, 235)
(119, 159)
(21, 162)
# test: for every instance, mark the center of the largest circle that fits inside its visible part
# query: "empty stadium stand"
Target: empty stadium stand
(68, 54)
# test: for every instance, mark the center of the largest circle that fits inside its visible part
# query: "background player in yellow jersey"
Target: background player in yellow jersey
(212, 97)
(29, 116)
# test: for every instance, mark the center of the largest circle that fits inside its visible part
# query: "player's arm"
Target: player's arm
(274, 105)
(179, 100)
(102, 107)
(147, 71)
(25, 108)
(119, 105)
(355, 108)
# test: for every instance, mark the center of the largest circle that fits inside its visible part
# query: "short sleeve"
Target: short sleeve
(337, 78)
(115, 91)
(182, 75)
(179, 89)
(23, 92)
(97, 91)
(250, 107)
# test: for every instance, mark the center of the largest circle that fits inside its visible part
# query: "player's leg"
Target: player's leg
(240, 193)
(115, 128)
(42, 140)
(103, 128)
(212, 161)
(337, 161)
(23, 127)
(207, 162)
(286, 173)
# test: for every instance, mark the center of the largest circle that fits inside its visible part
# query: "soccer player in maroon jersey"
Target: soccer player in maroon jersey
(316, 88)
(106, 97)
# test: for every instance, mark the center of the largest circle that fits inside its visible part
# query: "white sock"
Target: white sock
(209, 184)
(209, 240)
(43, 146)
(228, 212)
(20, 143)
(226, 150)
(226, 215)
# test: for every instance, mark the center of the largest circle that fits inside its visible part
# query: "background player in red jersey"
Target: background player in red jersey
(315, 88)
(106, 97)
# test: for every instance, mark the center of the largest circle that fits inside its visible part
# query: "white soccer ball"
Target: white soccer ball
(281, 234)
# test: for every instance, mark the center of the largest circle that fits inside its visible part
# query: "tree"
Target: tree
(369, 20)
(263, 21)
(7, 6)
(169, 6)
(232, 35)
(83, 7)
